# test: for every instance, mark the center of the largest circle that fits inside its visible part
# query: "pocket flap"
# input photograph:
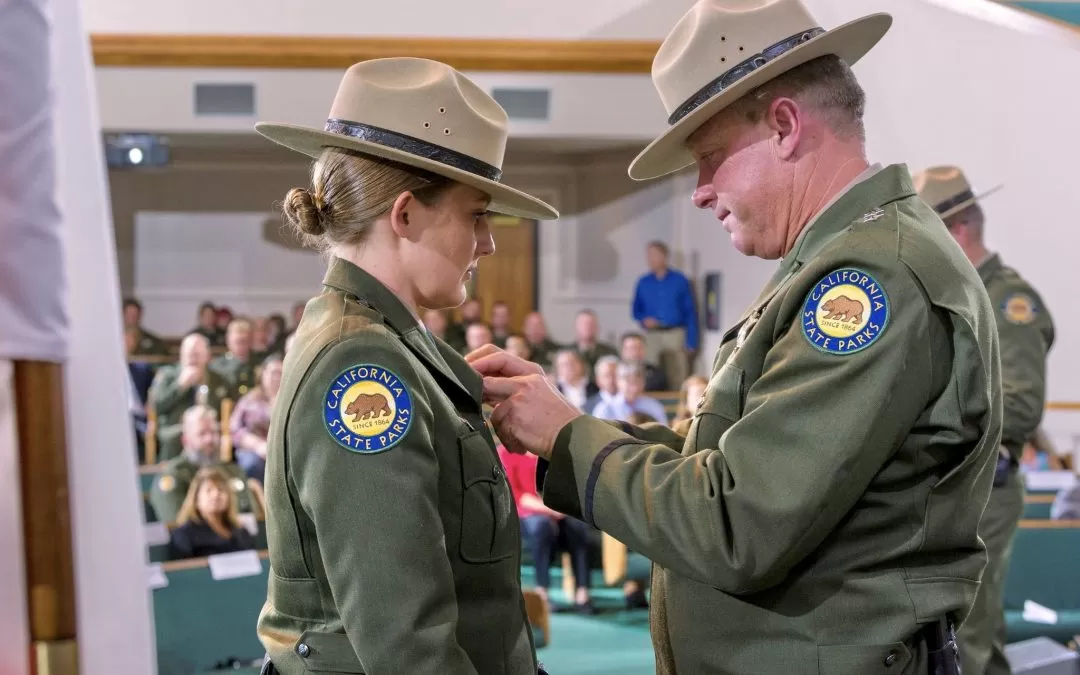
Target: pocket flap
(328, 652)
(478, 461)
(864, 659)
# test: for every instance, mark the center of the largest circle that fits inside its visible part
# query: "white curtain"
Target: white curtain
(66, 308)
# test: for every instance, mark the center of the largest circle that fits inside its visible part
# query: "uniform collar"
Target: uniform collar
(989, 267)
(347, 277)
(874, 188)
(350, 279)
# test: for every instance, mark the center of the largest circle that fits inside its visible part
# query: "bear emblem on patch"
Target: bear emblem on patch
(367, 409)
(845, 312)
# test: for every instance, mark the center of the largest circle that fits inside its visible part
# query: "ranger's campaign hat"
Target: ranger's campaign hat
(947, 190)
(419, 113)
(723, 49)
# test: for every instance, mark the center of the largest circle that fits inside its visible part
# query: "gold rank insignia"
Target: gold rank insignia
(1019, 309)
(166, 483)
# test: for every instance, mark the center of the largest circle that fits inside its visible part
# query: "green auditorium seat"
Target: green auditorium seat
(201, 623)
(1041, 570)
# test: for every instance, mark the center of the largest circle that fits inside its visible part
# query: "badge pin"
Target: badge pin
(872, 215)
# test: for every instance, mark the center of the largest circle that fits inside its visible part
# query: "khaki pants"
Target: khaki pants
(982, 637)
(666, 347)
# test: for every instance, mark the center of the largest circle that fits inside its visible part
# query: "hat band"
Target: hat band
(733, 75)
(414, 146)
(956, 200)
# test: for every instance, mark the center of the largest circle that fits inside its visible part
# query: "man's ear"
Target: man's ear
(399, 214)
(784, 120)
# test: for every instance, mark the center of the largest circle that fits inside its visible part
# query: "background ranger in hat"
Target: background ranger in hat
(817, 517)
(1026, 333)
(394, 542)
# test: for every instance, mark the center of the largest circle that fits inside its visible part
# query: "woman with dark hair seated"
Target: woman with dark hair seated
(542, 529)
(208, 523)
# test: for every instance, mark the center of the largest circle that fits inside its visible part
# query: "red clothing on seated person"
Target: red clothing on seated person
(521, 473)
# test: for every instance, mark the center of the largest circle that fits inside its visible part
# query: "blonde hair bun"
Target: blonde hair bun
(302, 212)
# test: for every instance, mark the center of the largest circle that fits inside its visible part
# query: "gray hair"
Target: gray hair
(630, 369)
(605, 361)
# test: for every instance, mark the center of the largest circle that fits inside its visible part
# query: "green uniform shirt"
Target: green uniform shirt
(394, 542)
(826, 499)
(1026, 331)
(593, 354)
(543, 354)
(169, 490)
(239, 374)
(170, 401)
(149, 344)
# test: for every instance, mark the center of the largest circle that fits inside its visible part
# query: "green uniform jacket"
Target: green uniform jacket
(394, 543)
(827, 497)
(170, 402)
(543, 354)
(239, 374)
(149, 344)
(590, 356)
(171, 487)
(1026, 330)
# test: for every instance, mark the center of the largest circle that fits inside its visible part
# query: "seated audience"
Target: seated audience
(207, 326)
(477, 335)
(632, 350)
(472, 311)
(500, 324)
(606, 375)
(542, 529)
(572, 379)
(541, 346)
(146, 343)
(237, 365)
(260, 339)
(178, 387)
(201, 441)
(586, 340)
(276, 332)
(631, 398)
(690, 393)
(208, 523)
(518, 346)
(250, 421)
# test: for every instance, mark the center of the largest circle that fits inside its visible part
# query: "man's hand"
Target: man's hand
(189, 377)
(651, 322)
(528, 411)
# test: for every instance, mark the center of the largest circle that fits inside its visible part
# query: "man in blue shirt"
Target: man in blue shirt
(664, 306)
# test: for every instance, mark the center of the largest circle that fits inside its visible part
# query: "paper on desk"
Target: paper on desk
(1036, 613)
(234, 565)
(157, 534)
(155, 576)
(247, 520)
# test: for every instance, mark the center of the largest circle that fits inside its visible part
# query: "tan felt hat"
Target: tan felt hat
(420, 113)
(723, 49)
(946, 189)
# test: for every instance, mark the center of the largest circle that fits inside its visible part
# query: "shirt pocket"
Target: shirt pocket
(486, 503)
(884, 659)
(720, 407)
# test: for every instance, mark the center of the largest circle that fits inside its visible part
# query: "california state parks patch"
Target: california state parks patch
(367, 409)
(845, 312)
(1019, 308)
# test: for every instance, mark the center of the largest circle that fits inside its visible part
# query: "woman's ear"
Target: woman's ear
(399, 214)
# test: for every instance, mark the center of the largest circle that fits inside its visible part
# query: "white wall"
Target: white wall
(463, 18)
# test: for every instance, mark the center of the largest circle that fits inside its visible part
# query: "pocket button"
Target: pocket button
(303, 650)
(496, 472)
(890, 660)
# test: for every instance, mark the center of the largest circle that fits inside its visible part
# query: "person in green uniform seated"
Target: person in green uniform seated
(541, 347)
(821, 513)
(179, 386)
(1026, 332)
(237, 365)
(393, 539)
(146, 343)
(201, 438)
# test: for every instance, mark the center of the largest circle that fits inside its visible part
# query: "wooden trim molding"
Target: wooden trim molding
(272, 51)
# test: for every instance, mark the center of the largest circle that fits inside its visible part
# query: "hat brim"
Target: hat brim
(850, 41)
(952, 211)
(311, 142)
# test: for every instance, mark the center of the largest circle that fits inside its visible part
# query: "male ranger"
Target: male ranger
(816, 517)
(1026, 333)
